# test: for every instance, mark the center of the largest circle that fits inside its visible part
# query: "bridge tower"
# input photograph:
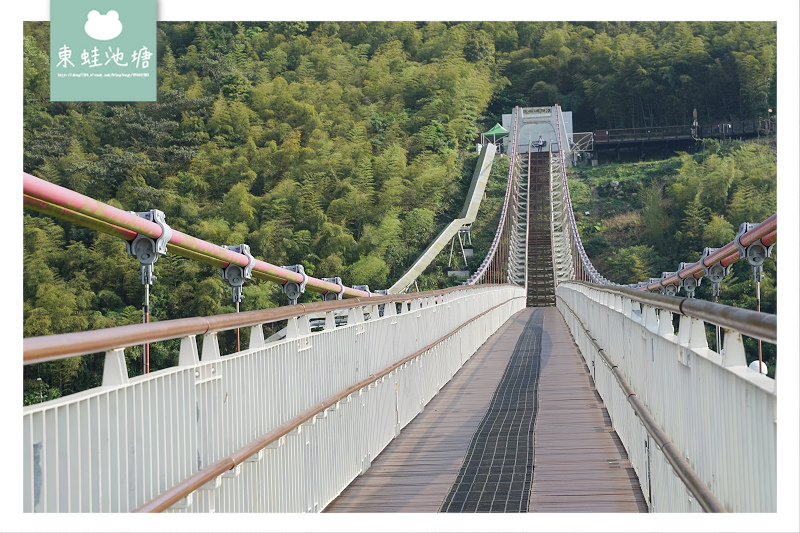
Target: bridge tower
(543, 142)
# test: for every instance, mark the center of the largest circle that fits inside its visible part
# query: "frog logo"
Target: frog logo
(103, 27)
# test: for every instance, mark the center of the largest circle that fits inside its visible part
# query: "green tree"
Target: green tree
(632, 264)
(369, 270)
(718, 232)
(748, 204)
(693, 225)
(718, 176)
(655, 216)
(237, 205)
(418, 227)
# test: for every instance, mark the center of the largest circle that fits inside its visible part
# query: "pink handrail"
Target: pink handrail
(58, 201)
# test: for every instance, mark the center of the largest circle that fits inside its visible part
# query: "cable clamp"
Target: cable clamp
(755, 254)
(235, 274)
(715, 273)
(328, 295)
(146, 249)
(671, 289)
(364, 288)
(690, 283)
(292, 289)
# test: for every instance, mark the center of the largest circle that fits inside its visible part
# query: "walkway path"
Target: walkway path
(470, 450)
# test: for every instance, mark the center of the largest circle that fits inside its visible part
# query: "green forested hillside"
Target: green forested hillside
(342, 146)
(649, 216)
(639, 74)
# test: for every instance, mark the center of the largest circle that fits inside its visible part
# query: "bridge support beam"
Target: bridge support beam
(210, 347)
(256, 337)
(733, 349)
(692, 333)
(188, 355)
(115, 372)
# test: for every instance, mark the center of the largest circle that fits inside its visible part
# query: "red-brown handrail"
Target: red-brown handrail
(53, 347)
(766, 233)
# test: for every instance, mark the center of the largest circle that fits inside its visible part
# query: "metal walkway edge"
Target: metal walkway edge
(417, 470)
(497, 469)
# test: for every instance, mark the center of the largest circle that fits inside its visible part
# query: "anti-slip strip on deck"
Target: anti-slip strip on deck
(497, 470)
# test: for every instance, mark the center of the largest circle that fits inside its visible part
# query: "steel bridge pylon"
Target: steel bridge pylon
(535, 245)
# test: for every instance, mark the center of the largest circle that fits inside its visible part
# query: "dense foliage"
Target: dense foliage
(639, 74)
(341, 146)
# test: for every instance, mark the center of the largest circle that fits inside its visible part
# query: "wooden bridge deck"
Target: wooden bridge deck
(579, 464)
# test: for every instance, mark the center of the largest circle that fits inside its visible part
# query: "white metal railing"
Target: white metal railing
(561, 208)
(719, 415)
(581, 267)
(278, 427)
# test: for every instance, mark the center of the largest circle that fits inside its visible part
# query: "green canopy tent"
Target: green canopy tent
(496, 131)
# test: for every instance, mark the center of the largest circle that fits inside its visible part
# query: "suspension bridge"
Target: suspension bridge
(536, 386)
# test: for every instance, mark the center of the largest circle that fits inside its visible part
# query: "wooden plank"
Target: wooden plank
(579, 463)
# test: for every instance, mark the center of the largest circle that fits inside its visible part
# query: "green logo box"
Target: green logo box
(103, 50)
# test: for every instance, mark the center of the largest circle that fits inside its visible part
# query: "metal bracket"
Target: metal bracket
(292, 289)
(654, 280)
(146, 249)
(381, 307)
(235, 274)
(364, 288)
(690, 283)
(671, 289)
(715, 273)
(755, 254)
(333, 295)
